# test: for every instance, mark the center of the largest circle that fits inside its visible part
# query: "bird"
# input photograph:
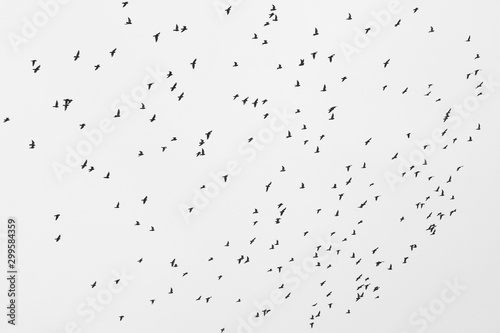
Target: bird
(156, 36)
(32, 145)
(77, 55)
(349, 17)
(193, 63)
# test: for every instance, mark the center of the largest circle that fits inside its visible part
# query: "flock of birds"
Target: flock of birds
(366, 287)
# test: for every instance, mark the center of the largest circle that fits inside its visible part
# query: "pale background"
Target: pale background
(55, 277)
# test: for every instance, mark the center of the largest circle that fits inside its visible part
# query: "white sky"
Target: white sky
(97, 239)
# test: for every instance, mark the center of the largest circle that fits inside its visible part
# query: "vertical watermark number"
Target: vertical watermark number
(11, 270)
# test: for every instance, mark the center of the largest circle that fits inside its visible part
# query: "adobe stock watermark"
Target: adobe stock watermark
(459, 113)
(362, 38)
(88, 310)
(248, 152)
(94, 137)
(421, 319)
(293, 278)
(30, 27)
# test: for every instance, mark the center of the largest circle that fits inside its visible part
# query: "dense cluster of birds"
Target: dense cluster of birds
(366, 286)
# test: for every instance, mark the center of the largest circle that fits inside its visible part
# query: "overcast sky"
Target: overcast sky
(313, 134)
